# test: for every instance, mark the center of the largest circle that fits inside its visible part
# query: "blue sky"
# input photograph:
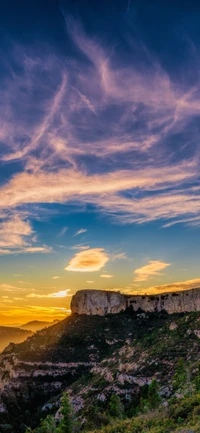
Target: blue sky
(99, 139)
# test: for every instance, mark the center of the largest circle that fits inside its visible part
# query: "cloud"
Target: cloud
(80, 247)
(56, 277)
(17, 236)
(90, 281)
(119, 256)
(106, 276)
(63, 231)
(97, 108)
(171, 287)
(61, 294)
(43, 249)
(43, 127)
(14, 232)
(107, 191)
(152, 269)
(79, 232)
(91, 260)
(10, 288)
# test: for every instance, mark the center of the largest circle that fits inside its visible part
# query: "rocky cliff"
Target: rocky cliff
(97, 302)
(101, 302)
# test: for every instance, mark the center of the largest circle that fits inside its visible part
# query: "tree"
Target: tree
(115, 407)
(47, 425)
(180, 377)
(65, 425)
(197, 381)
(153, 396)
(67, 422)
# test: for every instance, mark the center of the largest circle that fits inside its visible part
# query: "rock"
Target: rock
(172, 302)
(101, 302)
(173, 326)
(97, 302)
(197, 333)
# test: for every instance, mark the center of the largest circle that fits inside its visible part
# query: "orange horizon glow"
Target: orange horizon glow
(18, 314)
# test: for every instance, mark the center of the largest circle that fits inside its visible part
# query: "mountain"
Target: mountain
(37, 325)
(95, 356)
(14, 335)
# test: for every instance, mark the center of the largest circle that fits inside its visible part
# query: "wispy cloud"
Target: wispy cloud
(79, 232)
(100, 109)
(106, 276)
(107, 191)
(60, 294)
(80, 247)
(63, 231)
(152, 269)
(119, 256)
(171, 287)
(91, 260)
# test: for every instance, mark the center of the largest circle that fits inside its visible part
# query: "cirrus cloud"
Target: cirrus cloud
(91, 260)
(79, 232)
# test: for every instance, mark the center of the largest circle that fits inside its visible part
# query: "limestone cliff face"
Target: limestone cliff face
(97, 302)
(100, 302)
(175, 302)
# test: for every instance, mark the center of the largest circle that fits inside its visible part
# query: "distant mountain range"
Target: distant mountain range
(18, 334)
(37, 325)
(14, 335)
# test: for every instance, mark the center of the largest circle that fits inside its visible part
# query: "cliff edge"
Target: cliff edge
(98, 302)
(102, 302)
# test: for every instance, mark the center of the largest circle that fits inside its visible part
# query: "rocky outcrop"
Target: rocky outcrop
(175, 302)
(97, 302)
(101, 302)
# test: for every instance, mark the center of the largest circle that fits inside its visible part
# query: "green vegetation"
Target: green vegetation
(115, 407)
(67, 421)
(66, 424)
(181, 416)
(152, 414)
(180, 377)
(197, 381)
(112, 361)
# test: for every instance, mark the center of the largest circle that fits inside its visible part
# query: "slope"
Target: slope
(93, 357)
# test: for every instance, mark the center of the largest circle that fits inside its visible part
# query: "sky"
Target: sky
(99, 151)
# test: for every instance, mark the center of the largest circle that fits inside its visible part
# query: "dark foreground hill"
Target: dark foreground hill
(93, 357)
(8, 334)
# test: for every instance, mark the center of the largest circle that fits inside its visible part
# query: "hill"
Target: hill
(93, 357)
(14, 335)
(37, 325)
